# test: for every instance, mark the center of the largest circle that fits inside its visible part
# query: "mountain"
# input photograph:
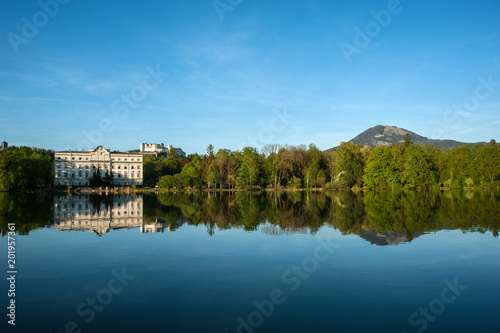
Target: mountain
(386, 238)
(388, 135)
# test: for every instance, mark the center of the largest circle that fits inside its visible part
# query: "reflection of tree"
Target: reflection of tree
(347, 212)
(97, 200)
(28, 211)
(404, 212)
(384, 211)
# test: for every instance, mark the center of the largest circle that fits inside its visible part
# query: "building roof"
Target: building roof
(94, 150)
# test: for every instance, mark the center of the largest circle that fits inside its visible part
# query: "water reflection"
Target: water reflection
(97, 214)
(381, 218)
(100, 214)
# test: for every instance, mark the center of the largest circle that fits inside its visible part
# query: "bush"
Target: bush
(166, 182)
(295, 182)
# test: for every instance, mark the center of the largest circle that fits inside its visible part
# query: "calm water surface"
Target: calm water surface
(255, 262)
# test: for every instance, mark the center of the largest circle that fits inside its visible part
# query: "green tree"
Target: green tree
(108, 178)
(417, 171)
(271, 163)
(489, 162)
(191, 171)
(180, 181)
(166, 182)
(96, 180)
(313, 163)
(382, 168)
(459, 167)
(321, 178)
(23, 168)
(346, 165)
(251, 168)
(151, 173)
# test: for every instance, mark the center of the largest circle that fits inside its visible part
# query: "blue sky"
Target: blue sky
(247, 72)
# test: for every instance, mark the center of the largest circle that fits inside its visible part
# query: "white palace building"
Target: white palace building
(77, 167)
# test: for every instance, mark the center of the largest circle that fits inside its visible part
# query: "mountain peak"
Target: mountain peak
(382, 135)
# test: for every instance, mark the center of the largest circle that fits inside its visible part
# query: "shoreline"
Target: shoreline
(128, 190)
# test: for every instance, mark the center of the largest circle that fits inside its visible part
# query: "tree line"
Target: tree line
(348, 166)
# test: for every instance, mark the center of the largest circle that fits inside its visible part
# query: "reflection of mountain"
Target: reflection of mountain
(386, 238)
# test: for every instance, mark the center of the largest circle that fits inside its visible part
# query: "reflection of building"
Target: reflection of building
(155, 148)
(159, 226)
(101, 214)
(78, 167)
(153, 227)
(79, 212)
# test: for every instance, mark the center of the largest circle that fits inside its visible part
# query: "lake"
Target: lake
(389, 261)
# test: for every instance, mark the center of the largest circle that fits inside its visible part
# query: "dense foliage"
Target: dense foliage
(403, 165)
(29, 211)
(23, 168)
(409, 213)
